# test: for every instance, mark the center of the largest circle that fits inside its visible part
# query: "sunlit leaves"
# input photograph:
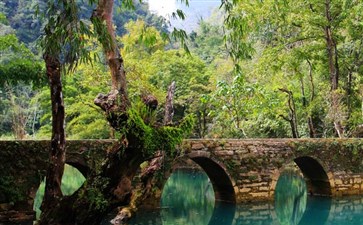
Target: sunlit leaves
(17, 63)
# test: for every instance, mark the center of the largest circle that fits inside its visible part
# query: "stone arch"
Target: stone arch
(80, 163)
(318, 180)
(41, 182)
(222, 182)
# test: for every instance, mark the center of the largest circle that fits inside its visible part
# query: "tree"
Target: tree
(140, 137)
(62, 37)
(19, 72)
(301, 38)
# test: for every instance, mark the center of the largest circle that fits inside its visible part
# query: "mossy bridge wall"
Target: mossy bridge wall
(240, 170)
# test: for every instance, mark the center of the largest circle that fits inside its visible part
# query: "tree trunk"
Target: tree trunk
(331, 49)
(18, 117)
(292, 118)
(333, 68)
(111, 185)
(57, 153)
(117, 100)
(312, 132)
(169, 109)
(349, 93)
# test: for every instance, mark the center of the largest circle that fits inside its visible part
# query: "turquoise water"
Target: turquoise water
(188, 199)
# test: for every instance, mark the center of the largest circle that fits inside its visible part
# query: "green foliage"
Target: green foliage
(21, 16)
(64, 33)
(83, 119)
(153, 138)
(274, 41)
(93, 195)
(160, 67)
(208, 42)
(96, 199)
(20, 73)
(17, 63)
(275, 44)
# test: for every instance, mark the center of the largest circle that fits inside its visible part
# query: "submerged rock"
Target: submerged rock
(123, 215)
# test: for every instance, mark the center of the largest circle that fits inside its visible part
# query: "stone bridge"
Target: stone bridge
(240, 170)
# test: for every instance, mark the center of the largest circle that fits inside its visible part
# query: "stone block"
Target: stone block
(260, 194)
(245, 190)
(263, 188)
(358, 180)
(197, 146)
(338, 182)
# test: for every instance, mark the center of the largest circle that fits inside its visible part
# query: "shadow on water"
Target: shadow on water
(317, 211)
(223, 213)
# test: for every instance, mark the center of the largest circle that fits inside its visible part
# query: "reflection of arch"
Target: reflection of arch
(317, 211)
(223, 213)
(317, 180)
(220, 179)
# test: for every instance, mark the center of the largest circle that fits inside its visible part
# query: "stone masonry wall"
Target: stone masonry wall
(254, 165)
(23, 166)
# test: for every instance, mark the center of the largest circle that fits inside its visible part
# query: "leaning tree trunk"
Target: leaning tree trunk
(57, 153)
(116, 101)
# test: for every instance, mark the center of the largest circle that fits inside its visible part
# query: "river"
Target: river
(188, 199)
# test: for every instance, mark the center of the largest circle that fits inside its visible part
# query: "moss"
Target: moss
(253, 177)
(232, 168)
(152, 137)
(10, 188)
(92, 193)
(341, 154)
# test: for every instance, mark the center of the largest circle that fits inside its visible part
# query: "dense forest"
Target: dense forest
(255, 69)
(272, 69)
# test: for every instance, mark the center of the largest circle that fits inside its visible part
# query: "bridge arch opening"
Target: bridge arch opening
(220, 179)
(292, 204)
(187, 192)
(317, 180)
(197, 186)
(72, 180)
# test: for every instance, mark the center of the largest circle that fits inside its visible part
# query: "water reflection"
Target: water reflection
(188, 198)
(223, 213)
(317, 211)
(184, 202)
(290, 198)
